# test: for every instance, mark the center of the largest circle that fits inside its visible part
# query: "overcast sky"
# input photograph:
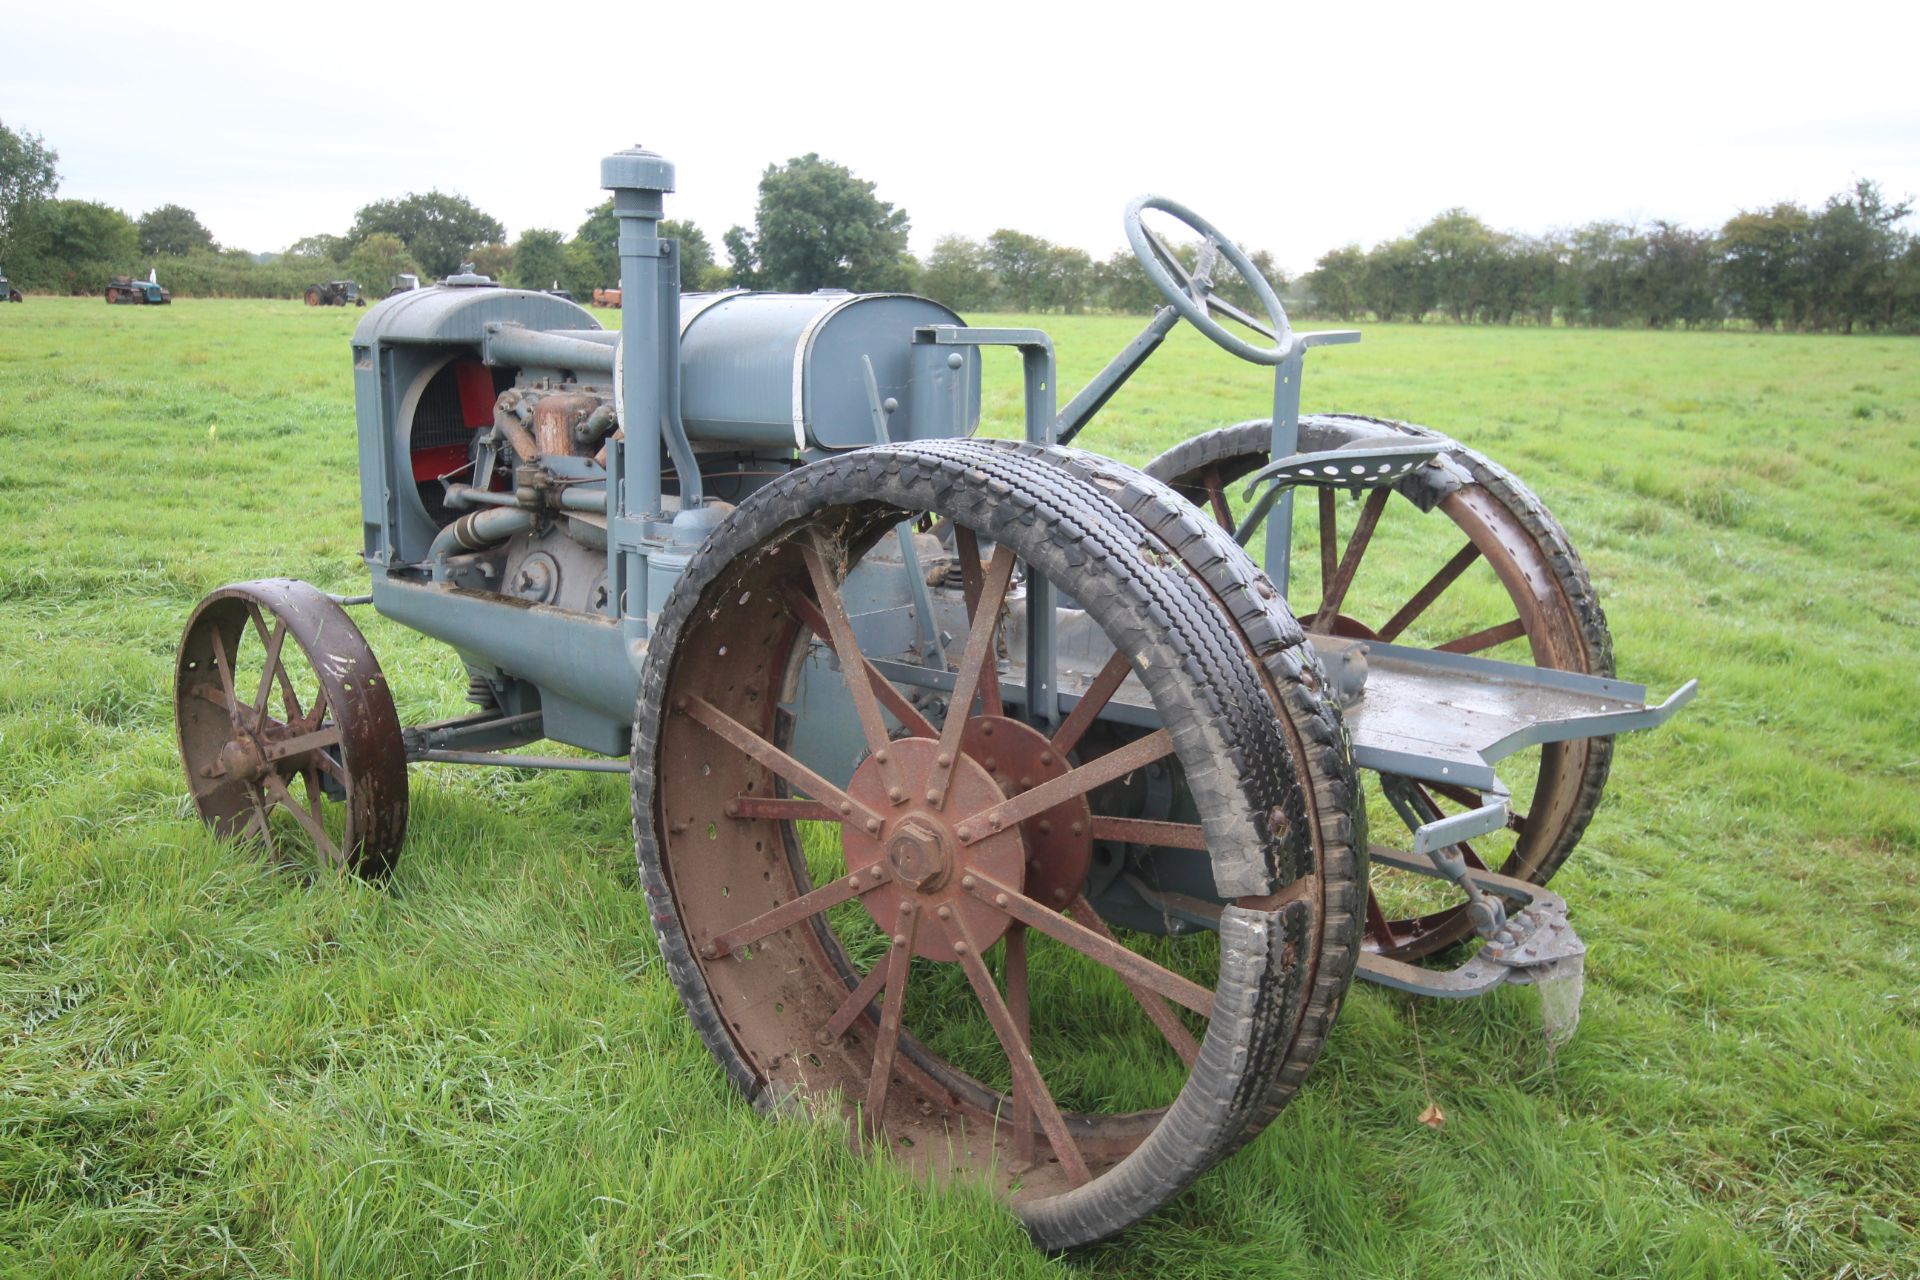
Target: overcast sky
(1294, 127)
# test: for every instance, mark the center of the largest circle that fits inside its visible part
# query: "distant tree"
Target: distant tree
(1903, 287)
(1022, 268)
(439, 229)
(539, 259)
(1604, 260)
(1854, 244)
(696, 254)
(495, 260)
(1124, 287)
(1228, 284)
(958, 274)
(1069, 278)
(1675, 283)
(27, 176)
(1398, 282)
(77, 245)
(818, 226)
(743, 258)
(376, 260)
(1460, 256)
(582, 274)
(320, 248)
(600, 234)
(1539, 277)
(1764, 264)
(1337, 282)
(173, 231)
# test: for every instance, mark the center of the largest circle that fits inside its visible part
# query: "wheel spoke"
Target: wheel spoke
(976, 662)
(1217, 498)
(898, 965)
(1137, 754)
(1486, 639)
(890, 697)
(300, 743)
(223, 667)
(278, 789)
(269, 667)
(310, 778)
(973, 585)
(859, 998)
(290, 702)
(793, 912)
(853, 667)
(1160, 835)
(1171, 260)
(317, 713)
(1425, 596)
(1019, 1057)
(1084, 712)
(257, 823)
(1378, 927)
(729, 730)
(1332, 598)
(1221, 306)
(792, 810)
(326, 763)
(1158, 1011)
(1129, 965)
(1014, 961)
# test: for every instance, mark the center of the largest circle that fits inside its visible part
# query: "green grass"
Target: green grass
(207, 1066)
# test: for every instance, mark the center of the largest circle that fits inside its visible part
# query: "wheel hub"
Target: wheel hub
(241, 760)
(920, 855)
(927, 863)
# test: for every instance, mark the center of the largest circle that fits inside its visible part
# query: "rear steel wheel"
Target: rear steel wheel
(1411, 546)
(840, 944)
(287, 730)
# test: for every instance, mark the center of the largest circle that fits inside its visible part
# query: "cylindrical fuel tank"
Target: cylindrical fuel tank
(773, 370)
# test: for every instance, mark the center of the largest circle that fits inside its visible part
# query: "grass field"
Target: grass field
(479, 1068)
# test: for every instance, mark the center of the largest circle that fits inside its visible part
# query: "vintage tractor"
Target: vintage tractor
(335, 293)
(7, 292)
(126, 291)
(986, 791)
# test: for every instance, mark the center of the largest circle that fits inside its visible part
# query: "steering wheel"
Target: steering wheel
(1191, 292)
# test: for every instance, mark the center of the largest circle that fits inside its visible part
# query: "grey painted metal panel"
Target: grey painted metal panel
(773, 370)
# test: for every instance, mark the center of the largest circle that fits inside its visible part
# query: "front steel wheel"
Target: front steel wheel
(916, 945)
(287, 731)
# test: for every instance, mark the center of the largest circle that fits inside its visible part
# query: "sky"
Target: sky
(1294, 128)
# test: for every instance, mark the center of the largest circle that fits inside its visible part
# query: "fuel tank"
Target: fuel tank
(785, 370)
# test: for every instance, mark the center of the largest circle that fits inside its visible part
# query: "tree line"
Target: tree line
(1849, 265)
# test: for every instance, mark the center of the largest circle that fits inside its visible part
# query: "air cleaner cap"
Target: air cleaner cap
(636, 169)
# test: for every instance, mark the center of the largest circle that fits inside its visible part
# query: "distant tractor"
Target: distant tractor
(7, 292)
(405, 282)
(606, 297)
(335, 293)
(125, 290)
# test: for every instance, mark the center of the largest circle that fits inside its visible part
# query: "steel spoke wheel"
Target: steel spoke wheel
(1458, 557)
(287, 730)
(915, 944)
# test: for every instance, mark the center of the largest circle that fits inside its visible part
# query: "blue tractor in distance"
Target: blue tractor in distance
(987, 792)
(7, 292)
(126, 291)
